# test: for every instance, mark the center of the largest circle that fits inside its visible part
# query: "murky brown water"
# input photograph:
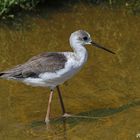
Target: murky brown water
(106, 88)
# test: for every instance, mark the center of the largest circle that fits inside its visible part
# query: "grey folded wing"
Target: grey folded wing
(46, 62)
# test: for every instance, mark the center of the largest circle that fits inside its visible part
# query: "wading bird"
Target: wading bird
(50, 69)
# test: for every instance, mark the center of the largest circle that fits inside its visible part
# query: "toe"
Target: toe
(47, 121)
(66, 115)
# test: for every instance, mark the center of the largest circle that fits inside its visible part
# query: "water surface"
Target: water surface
(105, 91)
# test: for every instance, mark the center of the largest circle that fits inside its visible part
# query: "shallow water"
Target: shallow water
(104, 94)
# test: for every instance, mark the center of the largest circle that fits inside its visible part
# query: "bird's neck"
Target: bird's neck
(80, 53)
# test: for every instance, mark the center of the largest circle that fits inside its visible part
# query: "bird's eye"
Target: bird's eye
(85, 38)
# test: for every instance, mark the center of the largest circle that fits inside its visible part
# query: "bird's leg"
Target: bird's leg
(62, 103)
(49, 107)
(61, 100)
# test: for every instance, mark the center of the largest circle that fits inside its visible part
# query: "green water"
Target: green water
(105, 91)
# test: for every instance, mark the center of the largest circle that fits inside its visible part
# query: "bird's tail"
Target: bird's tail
(1, 73)
(5, 75)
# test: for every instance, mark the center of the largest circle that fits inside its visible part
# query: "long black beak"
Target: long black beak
(98, 46)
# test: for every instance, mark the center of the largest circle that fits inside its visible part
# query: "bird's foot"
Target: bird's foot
(47, 121)
(66, 115)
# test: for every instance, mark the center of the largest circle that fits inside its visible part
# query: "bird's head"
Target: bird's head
(83, 38)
